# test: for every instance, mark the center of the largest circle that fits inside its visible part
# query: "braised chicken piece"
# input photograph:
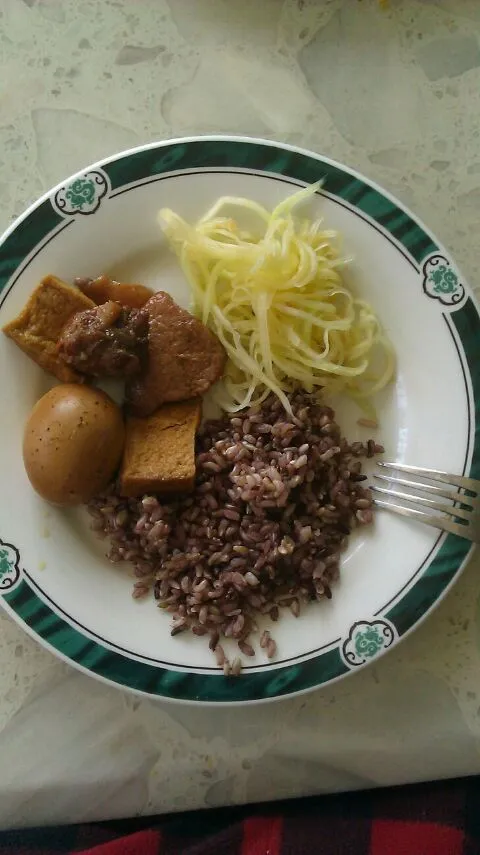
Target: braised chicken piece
(184, 358)
(107, 341)
(103, 289)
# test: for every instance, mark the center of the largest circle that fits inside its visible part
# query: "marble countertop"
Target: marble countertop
(395, 94)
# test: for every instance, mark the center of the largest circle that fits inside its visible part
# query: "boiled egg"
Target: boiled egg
(72, 444)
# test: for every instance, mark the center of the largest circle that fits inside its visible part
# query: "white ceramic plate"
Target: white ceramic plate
(54, 578)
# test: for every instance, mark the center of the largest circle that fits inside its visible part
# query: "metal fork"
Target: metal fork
(468, 515)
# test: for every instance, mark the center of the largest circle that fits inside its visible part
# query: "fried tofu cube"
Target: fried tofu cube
(37, 328)
(159, 452)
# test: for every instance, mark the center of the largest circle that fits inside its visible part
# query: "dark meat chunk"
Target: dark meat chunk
(102, 289)
(184, 358)
(107, 341)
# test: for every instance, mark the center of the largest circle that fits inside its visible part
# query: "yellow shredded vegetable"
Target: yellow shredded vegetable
(276, 300)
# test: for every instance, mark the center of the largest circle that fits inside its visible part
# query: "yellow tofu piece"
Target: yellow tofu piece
(37, 328)
(159, 452)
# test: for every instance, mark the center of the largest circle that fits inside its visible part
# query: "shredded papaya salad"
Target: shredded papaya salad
(275, 297)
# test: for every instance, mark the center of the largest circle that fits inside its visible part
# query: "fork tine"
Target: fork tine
(422, 500)
(443, 523)
(435, 475)
(453, 495)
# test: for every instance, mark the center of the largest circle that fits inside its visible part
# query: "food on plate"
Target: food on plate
(72, 443)
(275, 297)
(102, 289)
(37, 328)
(159, 453)
(239, 517)
(109, 340)
(274, 501)
(184, 358)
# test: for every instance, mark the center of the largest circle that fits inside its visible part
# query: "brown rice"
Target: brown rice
(275, 499)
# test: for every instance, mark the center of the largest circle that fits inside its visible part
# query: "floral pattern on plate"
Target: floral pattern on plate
(83, 194)
(366, 640)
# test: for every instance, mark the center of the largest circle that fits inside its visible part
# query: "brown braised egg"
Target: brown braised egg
(73, 443)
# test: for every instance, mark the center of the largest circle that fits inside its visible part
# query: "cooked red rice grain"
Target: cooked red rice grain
(274, 501)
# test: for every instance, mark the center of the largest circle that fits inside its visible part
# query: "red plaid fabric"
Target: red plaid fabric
(430, 819)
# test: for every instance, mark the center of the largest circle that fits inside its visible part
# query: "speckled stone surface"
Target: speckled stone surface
(395, 94)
